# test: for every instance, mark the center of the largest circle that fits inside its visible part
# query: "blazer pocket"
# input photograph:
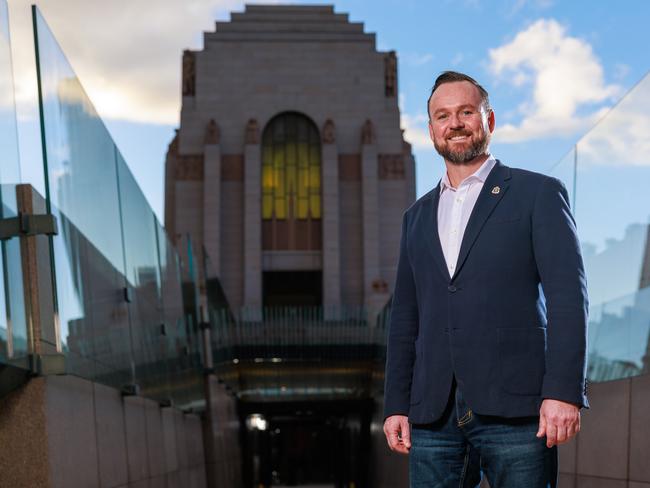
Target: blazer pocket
(521, 359)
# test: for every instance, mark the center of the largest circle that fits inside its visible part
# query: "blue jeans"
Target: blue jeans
(452, 452)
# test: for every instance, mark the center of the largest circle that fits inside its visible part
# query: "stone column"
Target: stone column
(330, 222)
(370, 213)
(252, 218)
(409, 173)
(212, 197)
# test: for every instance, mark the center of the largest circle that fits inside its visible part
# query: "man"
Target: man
(480, 362)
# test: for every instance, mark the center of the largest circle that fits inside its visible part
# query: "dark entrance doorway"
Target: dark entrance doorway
(307, 443)
(292, 288)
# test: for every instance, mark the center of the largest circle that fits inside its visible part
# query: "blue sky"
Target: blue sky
(552, 68)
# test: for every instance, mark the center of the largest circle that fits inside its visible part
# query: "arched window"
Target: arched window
(291, 184)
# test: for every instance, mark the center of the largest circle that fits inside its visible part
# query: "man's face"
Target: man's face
(459, 126)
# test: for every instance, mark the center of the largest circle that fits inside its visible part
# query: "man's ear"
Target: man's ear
(491, 121)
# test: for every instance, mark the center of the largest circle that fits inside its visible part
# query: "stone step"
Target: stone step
(288, 37)
(290, 8)
(299, 26)
(279, 16)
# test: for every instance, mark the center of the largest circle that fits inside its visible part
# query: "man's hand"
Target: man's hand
(398, 434)
(558, 421)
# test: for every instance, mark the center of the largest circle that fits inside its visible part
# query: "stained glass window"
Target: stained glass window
(291, 169)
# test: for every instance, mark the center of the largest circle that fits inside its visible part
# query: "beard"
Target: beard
(475, 149)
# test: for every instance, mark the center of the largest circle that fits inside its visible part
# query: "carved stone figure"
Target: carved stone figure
(368, 132)
(390, 73)
(252, 132)
(329, 132)
(189, 73)
(391, 166)
(212, 133)
(172, 149)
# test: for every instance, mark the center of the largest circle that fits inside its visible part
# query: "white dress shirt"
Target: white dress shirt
(455, 207)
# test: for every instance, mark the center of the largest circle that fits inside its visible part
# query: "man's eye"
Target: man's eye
(442, 116)
(467, 112)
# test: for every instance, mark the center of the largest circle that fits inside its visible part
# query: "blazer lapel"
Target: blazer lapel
(487, 200)
(435, 245)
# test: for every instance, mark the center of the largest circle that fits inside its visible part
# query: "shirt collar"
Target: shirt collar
(480, 174)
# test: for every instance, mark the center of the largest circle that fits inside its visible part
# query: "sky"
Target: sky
(553, 69)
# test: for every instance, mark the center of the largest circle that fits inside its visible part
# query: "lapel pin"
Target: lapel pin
(496, 190)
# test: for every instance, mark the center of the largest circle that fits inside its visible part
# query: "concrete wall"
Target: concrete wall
(67, 432)
(611, 451)
(613, 447)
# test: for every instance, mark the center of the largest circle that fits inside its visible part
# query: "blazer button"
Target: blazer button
(452, 288)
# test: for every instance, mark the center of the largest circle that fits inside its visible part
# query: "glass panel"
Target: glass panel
(314, 178)
(267, 206)
(303, 154)
(303, 208)
(303, 183)
(120, 289)
(10, 167)
(280, 208)
(13, 323)
(82, 192)
(607, 175)
(619, 338)
(184, 344)
(612, 199)
(143, 278)
(173, 315)
(314, 206)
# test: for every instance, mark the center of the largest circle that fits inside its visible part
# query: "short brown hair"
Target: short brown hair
(455, 76)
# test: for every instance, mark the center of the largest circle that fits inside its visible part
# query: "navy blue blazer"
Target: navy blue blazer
(508, 345)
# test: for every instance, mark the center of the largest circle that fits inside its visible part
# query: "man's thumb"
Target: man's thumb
(541, 432)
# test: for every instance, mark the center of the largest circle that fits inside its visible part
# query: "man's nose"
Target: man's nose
(455, 122)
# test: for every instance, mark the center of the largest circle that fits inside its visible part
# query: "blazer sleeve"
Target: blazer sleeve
(561, 270)
(403, 331)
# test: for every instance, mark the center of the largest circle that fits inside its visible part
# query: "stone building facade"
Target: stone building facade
(289, 168)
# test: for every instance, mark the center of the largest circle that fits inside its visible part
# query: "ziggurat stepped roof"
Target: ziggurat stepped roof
(289, 23)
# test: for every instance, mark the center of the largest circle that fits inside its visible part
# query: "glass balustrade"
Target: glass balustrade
(608, 173)
(14, 344)
(119, 285)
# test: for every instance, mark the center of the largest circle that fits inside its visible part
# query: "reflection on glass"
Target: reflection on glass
(612, 209)
(612, 200)
(119, 285)
(619, 338)
(13, 324)
(80, 168)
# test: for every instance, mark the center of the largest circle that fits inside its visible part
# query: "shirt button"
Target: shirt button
(452, 288)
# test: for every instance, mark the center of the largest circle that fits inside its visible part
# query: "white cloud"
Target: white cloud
(621, 137)
(566, 79)
(416, 130)
(126, 53)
